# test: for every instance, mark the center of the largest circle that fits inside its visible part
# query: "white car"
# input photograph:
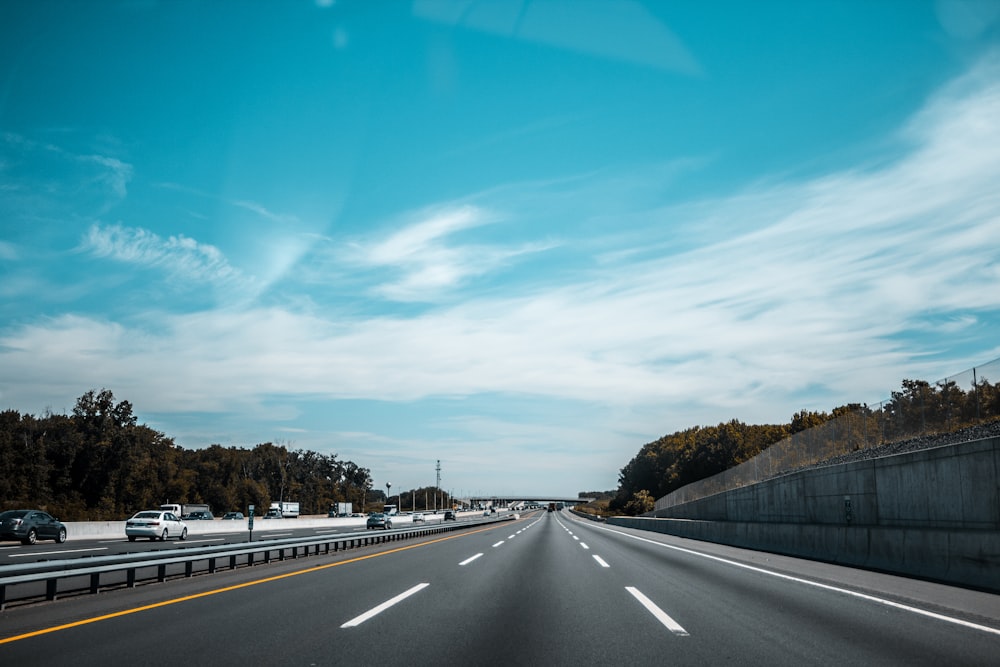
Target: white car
(417, 517)
(155, 525)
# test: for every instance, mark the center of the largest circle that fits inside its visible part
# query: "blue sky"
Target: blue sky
(524, 237)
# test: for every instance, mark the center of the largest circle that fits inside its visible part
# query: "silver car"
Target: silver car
(155, 525)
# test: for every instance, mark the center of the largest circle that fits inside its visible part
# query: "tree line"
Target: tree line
(683, 457)
(98, 463)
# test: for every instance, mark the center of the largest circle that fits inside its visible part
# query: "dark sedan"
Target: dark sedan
(379, 520)
(29, 526)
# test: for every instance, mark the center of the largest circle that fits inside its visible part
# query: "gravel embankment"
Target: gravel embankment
(978, 432)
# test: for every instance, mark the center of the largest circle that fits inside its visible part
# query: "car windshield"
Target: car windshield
(12, 514)
(421, 253)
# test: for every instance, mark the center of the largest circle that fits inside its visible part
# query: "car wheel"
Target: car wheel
(131, 538)
(61, 536)
(163, 536)
(31, 537)
(184, 534)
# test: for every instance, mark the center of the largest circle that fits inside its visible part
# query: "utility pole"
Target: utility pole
(437, 486)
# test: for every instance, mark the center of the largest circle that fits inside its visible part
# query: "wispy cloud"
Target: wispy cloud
(40, 178)
(116, 174)
(801, 294)
(282, 218)
(179, 256)
(428, 261)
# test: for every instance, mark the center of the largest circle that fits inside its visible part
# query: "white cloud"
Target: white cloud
(117, 173)
(811, 297)
(179, 256)
(43, 180)
(427, 264)
(282, 218)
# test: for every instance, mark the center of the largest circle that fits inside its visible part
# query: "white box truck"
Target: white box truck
(283, 511)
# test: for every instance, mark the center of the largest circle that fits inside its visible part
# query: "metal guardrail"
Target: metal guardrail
(149, 566)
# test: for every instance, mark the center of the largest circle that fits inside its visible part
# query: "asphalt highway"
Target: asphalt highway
(548, 589)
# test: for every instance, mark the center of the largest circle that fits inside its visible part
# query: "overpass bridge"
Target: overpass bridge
(519, 500)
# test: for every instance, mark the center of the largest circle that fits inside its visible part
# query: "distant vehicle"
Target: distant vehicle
(232, 516)
(379, 520)
(29, 526)
(183, 509)
(552, 507)
(200, 515)
(449, 515)
(341, 509)
(389, 510)
(418, 517)
(156, 525)
(283, 510)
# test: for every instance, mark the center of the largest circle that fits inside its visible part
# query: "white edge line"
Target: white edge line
(469, 560)
(807, 582)
(358, 620)
(50, 553)
(658, 613)
(601, 561)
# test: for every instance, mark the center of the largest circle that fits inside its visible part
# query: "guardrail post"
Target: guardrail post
(189, 568)
(95, 583)
(50, 589)
(211, 566)
(130, 577)
(161, 573)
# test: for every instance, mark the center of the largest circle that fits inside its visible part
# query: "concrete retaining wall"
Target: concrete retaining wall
(933, 514)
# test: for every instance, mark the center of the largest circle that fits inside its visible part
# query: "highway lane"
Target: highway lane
(767, 615)
(547, 589)
(14, 552)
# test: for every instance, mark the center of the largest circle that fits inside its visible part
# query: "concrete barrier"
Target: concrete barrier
(79, 530)
(932, 514)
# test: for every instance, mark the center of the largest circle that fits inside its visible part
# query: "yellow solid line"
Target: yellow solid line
(136, 610)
